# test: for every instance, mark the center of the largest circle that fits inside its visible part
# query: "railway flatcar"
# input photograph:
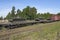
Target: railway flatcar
(16, 22)
(41, 20)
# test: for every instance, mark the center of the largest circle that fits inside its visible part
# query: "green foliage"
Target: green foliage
(44, 15)
(47, 15)
(8, 16)
(13, 12)
(48, 31)
(58, 13)
(19, 13)
(33, 12)
(1, 18)
(27, 13)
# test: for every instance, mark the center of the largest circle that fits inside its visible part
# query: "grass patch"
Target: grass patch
(46, 31)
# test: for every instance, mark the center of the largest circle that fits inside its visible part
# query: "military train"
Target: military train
(20, 22)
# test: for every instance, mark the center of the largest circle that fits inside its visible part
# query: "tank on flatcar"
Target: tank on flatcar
(13, 23)
(49, 20)
(17, 19)
(41, 20)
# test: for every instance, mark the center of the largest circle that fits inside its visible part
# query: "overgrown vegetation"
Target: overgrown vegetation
(27, 13)
(46, 31)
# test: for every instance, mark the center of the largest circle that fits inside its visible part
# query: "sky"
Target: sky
(52, 6)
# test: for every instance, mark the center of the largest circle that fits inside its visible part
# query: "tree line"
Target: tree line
(29, 13)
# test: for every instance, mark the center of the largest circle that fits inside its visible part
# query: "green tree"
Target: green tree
(44, 15)
(40, 15)
(19, 13)
(33, 12)
(26, 12)
(13, 12)
(8, 16)
(30, 13)
(1, 18)
(58, 13)
(47, 15)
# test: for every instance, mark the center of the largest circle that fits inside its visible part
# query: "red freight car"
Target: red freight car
(55, 17)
